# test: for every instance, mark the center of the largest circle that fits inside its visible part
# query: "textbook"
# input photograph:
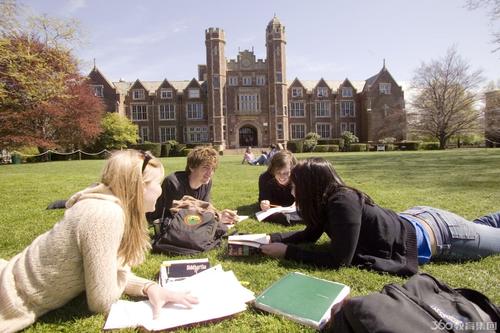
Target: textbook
(263, 214)
(172, 270)
(220, 295)
(305, 299)
(245, 245)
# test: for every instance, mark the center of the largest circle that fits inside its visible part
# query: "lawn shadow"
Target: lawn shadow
(249, 210)
(76, 309)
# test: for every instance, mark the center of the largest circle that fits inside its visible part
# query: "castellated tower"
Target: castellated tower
(276, 70)
(216, 81)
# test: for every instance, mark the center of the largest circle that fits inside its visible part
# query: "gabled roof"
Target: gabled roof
(123, 87)
(371, 80)
(310, 85)
(96, 70)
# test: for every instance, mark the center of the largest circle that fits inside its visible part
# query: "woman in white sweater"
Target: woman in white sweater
(103, 233)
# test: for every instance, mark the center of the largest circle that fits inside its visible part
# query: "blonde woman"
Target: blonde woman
(103, 233)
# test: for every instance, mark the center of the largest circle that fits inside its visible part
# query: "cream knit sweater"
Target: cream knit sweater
(78, 254)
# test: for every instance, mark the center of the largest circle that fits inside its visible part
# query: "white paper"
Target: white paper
(254, 240)
(262, 215)
(219, 294)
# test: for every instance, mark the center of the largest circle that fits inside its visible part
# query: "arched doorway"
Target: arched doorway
(248, 136)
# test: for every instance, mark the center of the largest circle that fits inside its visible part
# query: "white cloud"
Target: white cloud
(73, 5)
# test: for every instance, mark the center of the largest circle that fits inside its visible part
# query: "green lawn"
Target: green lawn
(464, 181)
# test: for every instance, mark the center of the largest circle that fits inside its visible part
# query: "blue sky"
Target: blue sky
(153, 40)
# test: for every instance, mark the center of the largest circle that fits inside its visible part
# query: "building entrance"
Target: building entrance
(248, 136)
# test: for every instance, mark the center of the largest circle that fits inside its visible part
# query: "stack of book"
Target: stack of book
(174, 270)
(244, 245)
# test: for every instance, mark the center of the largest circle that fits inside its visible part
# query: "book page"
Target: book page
(262, 215)
(254, 240)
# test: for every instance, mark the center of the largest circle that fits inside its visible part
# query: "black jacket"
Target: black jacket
(361, 235)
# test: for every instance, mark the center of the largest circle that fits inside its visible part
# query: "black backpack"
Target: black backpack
(188, 232)
(422, 304)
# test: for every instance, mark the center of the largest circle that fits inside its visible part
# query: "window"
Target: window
(166, 111)
(384, 88)
(194, 111)
(323, 130)
(279, 77)
(247, 80)
(138, 94)
(194, 93)
(344, 127)
(167, 133)
(298, 131)
(323, 109)
(166, 93)
(322, 91)
(98, 90)
(216, 81)
(346, 92)
(352, 128)
(233, 80)
(279, 131)
(297, 109)
(296, 92)
(249, 103)
(347, 109)
(260, 80)
(197, 134)
(139, 112)
(144, 134)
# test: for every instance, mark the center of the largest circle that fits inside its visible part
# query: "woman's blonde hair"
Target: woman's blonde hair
(125, 175)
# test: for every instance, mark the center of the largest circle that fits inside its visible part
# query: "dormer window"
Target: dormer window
(346, 92)
(194, 93)
(296, 92)
(98, 90)
(322, 92)
(166, 93)
(138, 94)
(384, 88)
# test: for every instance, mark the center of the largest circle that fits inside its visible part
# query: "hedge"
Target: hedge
(165, 149)
(295, 146)
(321, 148)
(185, 151)
(334, 148)
(357, 147)
(409, 145)
(154, 148)
(429, 145)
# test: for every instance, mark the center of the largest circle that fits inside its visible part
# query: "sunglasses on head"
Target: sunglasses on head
(147, 157)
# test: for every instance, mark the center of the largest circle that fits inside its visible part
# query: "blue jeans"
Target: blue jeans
(458, 238)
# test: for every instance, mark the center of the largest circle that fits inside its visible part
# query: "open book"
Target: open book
(302, 298)
(219, 294)
(244, 245)
(262, 215)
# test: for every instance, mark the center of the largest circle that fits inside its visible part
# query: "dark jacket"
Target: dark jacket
(361, 235)
(277, 194)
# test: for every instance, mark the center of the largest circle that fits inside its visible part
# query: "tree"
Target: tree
(349, 138)
(446, 96)
(117, 132)
(493, 7)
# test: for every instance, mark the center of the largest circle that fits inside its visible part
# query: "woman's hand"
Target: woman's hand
(159, 296)
(229, 216)
(276, 250)
(265, 205)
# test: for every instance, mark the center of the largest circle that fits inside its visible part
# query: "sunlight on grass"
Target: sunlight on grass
(464, 181)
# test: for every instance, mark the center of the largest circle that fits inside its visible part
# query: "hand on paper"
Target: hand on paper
(276, 250)
(229, 216)
(159, 296)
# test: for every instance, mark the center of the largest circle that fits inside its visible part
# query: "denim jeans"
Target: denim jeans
(458, 238)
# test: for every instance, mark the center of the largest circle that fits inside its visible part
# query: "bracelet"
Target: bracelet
(146, 287)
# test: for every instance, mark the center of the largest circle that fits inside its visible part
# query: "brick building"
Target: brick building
(249, 102)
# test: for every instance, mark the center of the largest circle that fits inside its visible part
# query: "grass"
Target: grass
(464, 181)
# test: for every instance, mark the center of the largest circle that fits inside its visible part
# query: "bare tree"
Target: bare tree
(493, 7)
(446, 97)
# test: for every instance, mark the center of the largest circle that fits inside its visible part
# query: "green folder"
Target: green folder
(302, 298)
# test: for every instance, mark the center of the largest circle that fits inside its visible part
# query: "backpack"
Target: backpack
(422, 304)
(188, 232)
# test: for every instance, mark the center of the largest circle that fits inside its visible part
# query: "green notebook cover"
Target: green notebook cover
(302, 298)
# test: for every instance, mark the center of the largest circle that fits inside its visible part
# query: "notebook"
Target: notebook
(244, 245)
(172, 270)
(305, 299)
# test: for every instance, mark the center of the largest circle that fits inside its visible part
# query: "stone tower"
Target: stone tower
(276, 71)
(216, 81)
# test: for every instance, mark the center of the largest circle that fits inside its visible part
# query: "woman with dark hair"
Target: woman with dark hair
(366, 235)
(275, 188)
